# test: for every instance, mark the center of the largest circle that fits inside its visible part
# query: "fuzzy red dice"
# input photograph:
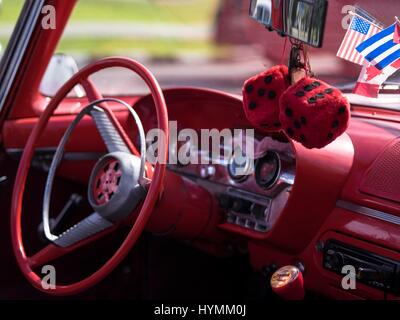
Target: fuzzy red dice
(261, 95)
(314, 113)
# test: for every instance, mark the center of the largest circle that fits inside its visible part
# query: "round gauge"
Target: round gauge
(268, 169)
(238, 167)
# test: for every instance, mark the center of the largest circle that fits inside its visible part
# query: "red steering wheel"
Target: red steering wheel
(105, 172)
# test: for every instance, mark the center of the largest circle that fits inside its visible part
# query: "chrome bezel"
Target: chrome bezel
(246, 169)
(277, 173)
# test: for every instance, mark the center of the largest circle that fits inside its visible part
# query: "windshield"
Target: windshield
(9, 12)
(202, 43)
(338, 21)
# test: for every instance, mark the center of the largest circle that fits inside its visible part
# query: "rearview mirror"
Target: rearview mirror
(303, 20)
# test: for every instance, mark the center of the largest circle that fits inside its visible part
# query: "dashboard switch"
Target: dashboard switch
(334, 259)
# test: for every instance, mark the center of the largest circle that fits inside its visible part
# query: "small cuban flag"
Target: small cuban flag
(381, 50)
(382, 59)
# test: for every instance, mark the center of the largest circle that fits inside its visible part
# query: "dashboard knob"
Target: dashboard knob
(242, 206)
(225, 201)
(207, 172)
(259, 211)
(237, 205)
(288, 283)
(334, 260)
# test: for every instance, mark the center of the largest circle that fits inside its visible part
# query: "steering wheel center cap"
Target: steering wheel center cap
(106, 182)
(114, 189)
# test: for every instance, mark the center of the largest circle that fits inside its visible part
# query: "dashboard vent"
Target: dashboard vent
(382, 179)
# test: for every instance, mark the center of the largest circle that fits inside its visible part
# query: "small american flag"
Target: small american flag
(358, 31)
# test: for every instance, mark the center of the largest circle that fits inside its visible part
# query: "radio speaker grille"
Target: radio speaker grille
(382, 179)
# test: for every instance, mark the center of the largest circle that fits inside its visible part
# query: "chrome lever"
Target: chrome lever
(56, 223)
(74, 201)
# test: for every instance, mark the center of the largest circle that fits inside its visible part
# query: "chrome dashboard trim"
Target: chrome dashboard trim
(223, 187)
(250, 196)
(278, 172)
(369, 212)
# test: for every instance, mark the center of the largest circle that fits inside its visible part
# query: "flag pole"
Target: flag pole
(365, 19)
(396, 38)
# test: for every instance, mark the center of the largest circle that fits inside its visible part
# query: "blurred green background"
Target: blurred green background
(169, 14)
(172, 11)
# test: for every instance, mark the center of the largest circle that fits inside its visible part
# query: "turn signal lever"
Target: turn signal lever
(287, 282)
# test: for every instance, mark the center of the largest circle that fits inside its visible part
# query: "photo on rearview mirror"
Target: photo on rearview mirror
(302, 20)
(305, 20)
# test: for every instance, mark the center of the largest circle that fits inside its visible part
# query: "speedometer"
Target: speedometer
(268, 169)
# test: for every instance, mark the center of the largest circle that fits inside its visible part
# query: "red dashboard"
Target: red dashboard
(342, 200)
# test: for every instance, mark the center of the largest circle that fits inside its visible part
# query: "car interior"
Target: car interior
(81, 195)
